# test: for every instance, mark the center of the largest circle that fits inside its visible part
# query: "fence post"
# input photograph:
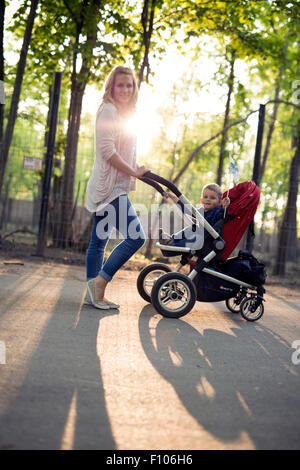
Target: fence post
(48, 165)
(256, 167)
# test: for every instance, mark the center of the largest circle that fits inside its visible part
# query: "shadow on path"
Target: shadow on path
(230, 383)
(61, 402)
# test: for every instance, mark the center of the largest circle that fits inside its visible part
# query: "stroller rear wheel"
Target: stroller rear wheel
(234, 303)
(147, 278)
(252, 308)
(173, 295)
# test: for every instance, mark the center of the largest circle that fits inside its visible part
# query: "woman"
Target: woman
(113, 177)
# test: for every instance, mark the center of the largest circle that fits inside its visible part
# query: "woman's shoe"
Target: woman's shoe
(96, 303)
(90, 299)
(111, 304)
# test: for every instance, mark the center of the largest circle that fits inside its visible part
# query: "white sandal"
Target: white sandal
(96, 303)
(90, 299)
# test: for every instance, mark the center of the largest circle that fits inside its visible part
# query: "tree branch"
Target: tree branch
(147, 33)
(197, 149)
(225, 129)
(284, 102)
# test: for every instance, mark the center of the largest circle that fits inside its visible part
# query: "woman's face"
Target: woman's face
(123, 89)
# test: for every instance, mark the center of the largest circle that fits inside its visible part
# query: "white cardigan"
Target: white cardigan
(111, 136)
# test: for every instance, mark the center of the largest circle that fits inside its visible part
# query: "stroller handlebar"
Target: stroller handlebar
(153, 184)
(152, 179)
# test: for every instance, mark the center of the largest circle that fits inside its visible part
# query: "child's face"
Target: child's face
(210, 199)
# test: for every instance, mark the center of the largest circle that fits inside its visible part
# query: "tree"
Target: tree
(147, 19)
(231, 60)
(86, 20)
(17, 90)
(2, 15)
(271, 128)
(289, 219)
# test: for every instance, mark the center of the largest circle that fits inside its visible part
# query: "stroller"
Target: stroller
(213, 275)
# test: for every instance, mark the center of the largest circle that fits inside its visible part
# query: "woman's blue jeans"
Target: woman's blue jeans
(119, 214)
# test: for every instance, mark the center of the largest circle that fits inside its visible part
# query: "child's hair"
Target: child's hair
(213, 187)
(109, 86)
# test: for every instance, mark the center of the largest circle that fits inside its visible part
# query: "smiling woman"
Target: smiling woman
(144, 123)
(113, 177)
(121, 90)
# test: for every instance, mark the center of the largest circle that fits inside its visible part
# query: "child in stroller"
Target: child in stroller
(213, 275)
(213, 210)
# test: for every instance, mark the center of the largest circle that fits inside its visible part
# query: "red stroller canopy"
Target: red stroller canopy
(244, 199)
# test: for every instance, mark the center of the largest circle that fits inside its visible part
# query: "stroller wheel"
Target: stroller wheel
(234, 303)
(252, 309)
(173, 295)
(147, 278)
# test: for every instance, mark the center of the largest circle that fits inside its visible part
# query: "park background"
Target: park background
(204, 70)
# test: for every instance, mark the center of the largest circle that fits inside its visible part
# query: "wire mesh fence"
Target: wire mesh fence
(20, 207)
(20, 228)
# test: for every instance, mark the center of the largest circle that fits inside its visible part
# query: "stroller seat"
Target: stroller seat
(244, 199)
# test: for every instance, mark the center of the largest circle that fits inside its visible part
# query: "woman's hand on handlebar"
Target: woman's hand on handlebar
(141, 170)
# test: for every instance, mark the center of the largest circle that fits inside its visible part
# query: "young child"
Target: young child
(212, 209)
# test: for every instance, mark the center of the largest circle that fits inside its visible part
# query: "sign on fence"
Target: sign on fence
(32, 163)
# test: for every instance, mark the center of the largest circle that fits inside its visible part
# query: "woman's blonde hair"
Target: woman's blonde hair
(213, 187)
(109, 86)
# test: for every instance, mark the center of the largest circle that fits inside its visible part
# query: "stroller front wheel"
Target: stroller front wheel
(173, 295)
(252, 309)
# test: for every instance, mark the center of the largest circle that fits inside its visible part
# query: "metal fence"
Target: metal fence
(20, 223)
(20, 207)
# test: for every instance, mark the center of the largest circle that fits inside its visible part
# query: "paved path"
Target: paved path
(75, 378)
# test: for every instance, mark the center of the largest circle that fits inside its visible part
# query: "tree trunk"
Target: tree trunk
(79, 82)
(55, 209)
(226, 119)
(290, 214)
(147, 20)
(271, 128)
(65, 232)
(5, 201)
(17, 91)
(292, 251)
(2, 16)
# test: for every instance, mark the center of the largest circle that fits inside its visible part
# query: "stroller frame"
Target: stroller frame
(248, 304)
